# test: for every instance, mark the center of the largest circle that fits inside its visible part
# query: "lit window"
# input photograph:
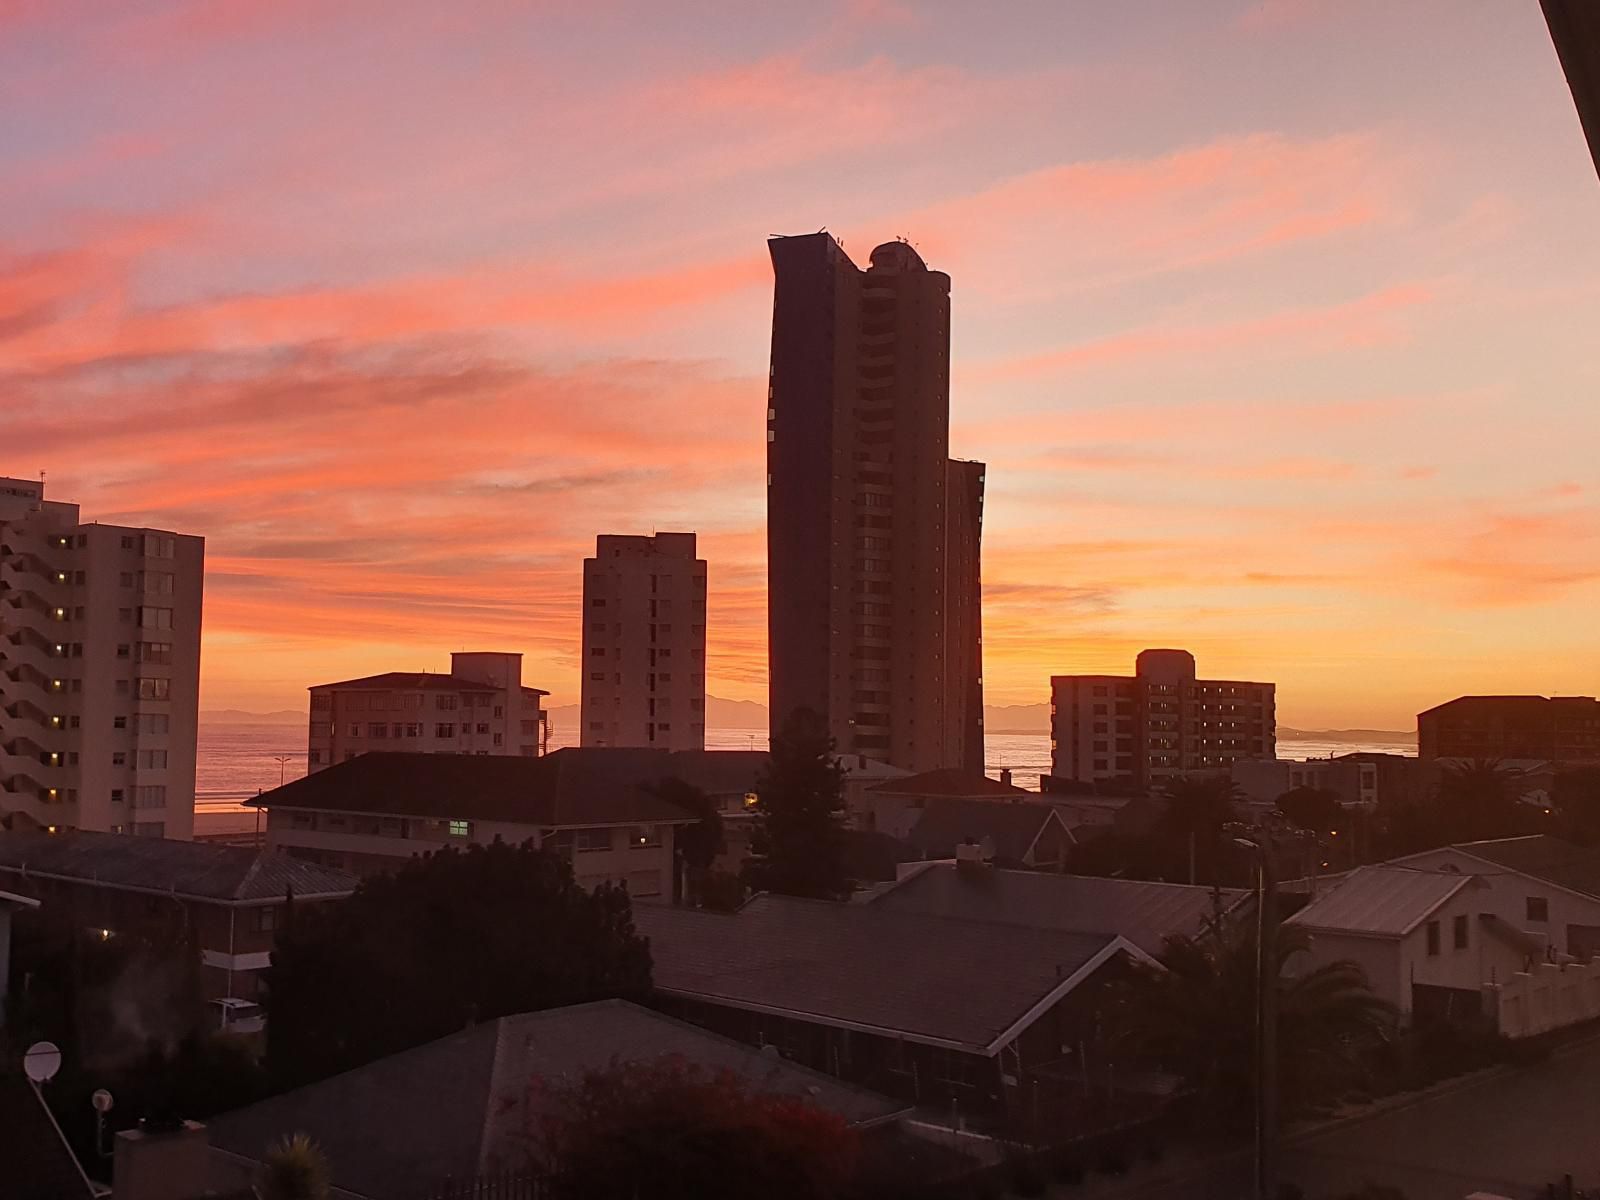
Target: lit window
(461, 829)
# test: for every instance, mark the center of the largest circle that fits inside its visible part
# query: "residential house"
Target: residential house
(1361, 779)
(1146, 914)
(1006, 833)
(595, 804)
(228, 899)
(971, 1016)
(894, 805)
(729, 778)
(467, 1107)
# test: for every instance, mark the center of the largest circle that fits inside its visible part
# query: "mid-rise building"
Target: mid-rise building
(1159, 722)
(644, 643)
(1543, 728)
(99, 670)
(480, 707)
(873, 531)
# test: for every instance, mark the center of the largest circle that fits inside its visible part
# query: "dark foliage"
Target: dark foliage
(456, 937)
(697, 845)
(1315, 809)
(676, 1131)
(798, 838)
(722, 891)
(1187, 832)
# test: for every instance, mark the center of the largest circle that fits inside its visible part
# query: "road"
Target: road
(1510, 1134)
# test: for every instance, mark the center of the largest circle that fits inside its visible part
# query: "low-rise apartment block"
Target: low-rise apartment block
(480, 707)
(1157, 723)
(1558, 729)
(597, 807)
(644, 643)
(99, 670)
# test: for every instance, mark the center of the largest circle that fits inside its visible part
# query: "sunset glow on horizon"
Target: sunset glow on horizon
(1274, 321)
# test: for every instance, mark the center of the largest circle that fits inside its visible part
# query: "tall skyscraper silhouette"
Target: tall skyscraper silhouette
(872, 530)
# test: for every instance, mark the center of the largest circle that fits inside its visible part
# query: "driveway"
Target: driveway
(1510, 1133)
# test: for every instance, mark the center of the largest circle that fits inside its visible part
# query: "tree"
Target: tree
(1475, 801)
(1196, 1015)
(798, 834)
(1315, 809)
(295, 1169)
(672, 1130)
(697, 845)
(1575, 794)
(456, 937)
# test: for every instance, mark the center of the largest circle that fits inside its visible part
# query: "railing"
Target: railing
(511, 1185)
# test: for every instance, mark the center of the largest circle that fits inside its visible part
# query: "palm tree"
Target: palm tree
(295, 1169)
(1195, 1014)
(1475, 801)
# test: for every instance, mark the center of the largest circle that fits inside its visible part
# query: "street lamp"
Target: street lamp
(1266, 1171)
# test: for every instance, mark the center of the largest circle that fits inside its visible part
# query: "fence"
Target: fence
(1548, 997)
(512, 1185)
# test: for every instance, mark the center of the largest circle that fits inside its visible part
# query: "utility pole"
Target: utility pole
(1266, 1165)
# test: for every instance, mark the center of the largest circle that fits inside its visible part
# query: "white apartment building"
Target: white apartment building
(480, 707)
(99, 670)
(644, 643)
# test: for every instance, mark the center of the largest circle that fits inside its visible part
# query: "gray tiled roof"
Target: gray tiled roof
(570, 787)
(461, 1106)
(1380, 901)
(932, 979)
(195, 869)
(1144, 913)
(1011, 827)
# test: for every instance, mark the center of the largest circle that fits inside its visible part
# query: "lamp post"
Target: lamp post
(1266, 1167)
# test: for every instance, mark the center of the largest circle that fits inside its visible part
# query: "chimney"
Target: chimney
(1005, 776)
(162, 1162)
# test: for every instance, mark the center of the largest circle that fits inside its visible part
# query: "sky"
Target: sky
(1274, 320)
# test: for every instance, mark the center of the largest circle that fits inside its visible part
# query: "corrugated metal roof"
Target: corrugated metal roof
(1380, 901)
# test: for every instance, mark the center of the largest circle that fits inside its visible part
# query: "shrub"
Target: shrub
(1028, 1180)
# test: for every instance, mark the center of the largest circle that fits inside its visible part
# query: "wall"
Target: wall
(1548, 997)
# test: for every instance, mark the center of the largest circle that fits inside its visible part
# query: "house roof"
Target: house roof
(35, 1162)
(193, 870)
(427, 681)
(462, 1106)
(967, 985)
(1380, 901)
(948, 781)
(1010, 828)
(571, 787)
(1564, 864)
(719, 772)
(1144, 913)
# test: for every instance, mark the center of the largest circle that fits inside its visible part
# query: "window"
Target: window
(1433, 939)
(1459, 932)
(156, 583)
(119, 722)
(266, 919)
(119, 758)
(597, 726)
(154, 618)
(355, 730)
(128, 543)
(499, 710)
(497, 739)
(413, 729)
(597, 626)
(592, 839)
(314, 757)
(461, 829)
(123, 650)
(150, 795)
(125, 579)
(597, 603)
(1538, 908)
(321, 701)
(378, 729)
(483, 727)
(445, 703)
(117, 795)
(444, 730)
(645, 836)
(153, 760)
(156, 546)
(154, 652)
(597, 651)
(155, 689)
(597, 676)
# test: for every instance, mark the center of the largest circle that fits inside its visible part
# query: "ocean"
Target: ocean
(238, 760)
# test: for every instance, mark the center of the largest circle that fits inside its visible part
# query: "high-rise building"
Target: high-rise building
(644, 643)
(99, 669)
(1157, 723)
(1564, 729)
(872, 530)
(480, 707)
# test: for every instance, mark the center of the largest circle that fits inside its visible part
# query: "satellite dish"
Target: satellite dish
(42, 1061)
(101, 1100)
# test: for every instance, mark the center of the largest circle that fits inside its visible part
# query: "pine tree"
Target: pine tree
(798, 836)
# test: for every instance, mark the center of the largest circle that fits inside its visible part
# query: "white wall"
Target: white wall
(1506, 895)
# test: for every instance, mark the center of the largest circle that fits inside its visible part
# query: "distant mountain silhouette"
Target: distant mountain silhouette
(237, 716)
(720, 714)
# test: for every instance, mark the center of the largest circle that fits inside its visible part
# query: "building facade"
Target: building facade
(1159, 722)
(1362, 779)
(644, 643)
(480, 707)
(99, 669)
(1562, 729)
(873, 531)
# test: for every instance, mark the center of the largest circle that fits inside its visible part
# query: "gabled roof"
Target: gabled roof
(948, 781)
(1011, 829)
(1144, 913)
(427, 681)
(1576, 868)
(461, 1106)
(191, 870)
(571, 787)
(1381, 901)
(966, 985)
